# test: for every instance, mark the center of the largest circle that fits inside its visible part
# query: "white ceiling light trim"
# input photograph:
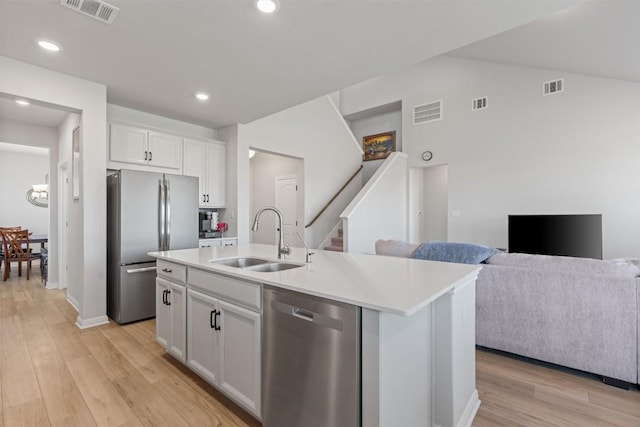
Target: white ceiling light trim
(202, 96)
(49, 45)
(267, 6)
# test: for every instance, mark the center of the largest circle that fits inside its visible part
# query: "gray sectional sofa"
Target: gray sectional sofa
(576, 312)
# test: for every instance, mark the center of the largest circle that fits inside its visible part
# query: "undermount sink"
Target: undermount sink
(256, 264)
(241, 262)
(272, 266)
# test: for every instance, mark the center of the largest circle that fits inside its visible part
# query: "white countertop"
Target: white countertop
(389, 284)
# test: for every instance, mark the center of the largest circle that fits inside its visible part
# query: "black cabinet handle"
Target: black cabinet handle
(215, 320)
(207, 198)
(212, 317)
(168, 293)
(164, 297)
(145, 155)
(204, 198)
(150, 156)
(167, 270)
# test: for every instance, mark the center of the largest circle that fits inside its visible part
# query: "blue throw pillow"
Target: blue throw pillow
(464, 253)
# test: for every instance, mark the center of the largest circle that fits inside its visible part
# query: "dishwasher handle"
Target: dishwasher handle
(307, 315)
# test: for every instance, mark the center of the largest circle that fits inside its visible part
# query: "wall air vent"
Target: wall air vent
(96, 9)
(479, 103)
(427, 113)
(552, 87)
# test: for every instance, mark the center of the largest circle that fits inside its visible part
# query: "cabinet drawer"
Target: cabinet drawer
(171, 271)
(243, 293)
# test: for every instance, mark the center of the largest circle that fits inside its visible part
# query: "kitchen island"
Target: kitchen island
(417, 326)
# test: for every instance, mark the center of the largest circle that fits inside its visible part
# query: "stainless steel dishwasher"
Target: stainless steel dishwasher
(310, 361)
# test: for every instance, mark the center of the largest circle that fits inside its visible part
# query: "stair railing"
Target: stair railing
(335, 196)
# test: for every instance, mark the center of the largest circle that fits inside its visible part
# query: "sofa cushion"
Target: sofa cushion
(464, 253)
(398, 248)
(568, 264)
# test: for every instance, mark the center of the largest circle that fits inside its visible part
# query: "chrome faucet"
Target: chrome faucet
(282, 248)
(308, 257)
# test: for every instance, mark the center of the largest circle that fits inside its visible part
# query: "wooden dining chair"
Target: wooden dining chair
(16, 249)
(16, 228)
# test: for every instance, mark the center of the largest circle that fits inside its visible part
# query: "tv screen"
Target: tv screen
(567, 235)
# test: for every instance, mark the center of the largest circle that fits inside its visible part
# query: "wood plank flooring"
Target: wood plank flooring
(54, 374)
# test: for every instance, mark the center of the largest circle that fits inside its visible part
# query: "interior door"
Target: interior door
(286, 202)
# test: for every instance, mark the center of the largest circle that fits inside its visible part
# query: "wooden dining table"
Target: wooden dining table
(35, 238)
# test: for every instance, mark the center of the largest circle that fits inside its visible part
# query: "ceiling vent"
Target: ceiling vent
(426, 113)
(96, 9)
(553, 87)
(479, 103)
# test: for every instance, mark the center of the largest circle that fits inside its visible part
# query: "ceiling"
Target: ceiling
(33, 114)
(600, 38)
(157, 54)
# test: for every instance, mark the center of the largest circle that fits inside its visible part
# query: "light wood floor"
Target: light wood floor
(54, 374)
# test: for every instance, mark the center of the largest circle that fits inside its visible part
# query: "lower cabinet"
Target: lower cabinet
(224, 347)
(171, 311)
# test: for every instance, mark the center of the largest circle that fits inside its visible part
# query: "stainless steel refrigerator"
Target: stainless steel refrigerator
(146, 212)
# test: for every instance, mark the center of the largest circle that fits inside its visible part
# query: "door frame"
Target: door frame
(63, 223)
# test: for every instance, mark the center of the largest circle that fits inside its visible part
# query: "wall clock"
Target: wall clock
(427, 155)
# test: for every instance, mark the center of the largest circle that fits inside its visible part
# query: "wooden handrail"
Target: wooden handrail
(334, 197)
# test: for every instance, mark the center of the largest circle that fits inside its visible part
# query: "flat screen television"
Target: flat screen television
(567, 235)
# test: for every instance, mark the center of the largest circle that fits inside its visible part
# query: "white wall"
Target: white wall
(379, 211)
(390, 121)
(36, 83)
(264, 168)
(313, 131)
(20, 168)
(118, 113)
(574, 152)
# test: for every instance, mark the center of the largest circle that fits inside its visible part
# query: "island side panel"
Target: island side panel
(396, 368)
(455, 396)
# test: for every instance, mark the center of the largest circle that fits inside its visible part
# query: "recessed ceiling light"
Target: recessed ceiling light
(267, 6)
(22, 102)
(202, 96)
(49, 45)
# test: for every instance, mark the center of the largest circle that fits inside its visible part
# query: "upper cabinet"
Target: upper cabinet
(149, 149)
(206, 160)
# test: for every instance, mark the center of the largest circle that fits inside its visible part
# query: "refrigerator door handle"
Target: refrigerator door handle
(161, 216)
(141, 270)
(168, 217)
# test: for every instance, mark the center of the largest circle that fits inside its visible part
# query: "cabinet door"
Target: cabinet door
(177, 300)
(240, 355)
(210, 243)
(165, 150)
(229, 242)
(127, 144)
(215, 175)
(195, 164)
(202, 338)
(162, 312)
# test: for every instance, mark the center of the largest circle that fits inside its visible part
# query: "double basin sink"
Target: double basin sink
(256, 264)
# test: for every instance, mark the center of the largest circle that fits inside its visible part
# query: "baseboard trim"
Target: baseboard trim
(466, 420)
(52, 285)
(73, 302)
(90, 323)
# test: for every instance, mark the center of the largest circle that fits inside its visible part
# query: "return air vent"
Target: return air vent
(94, 8)
(426, 113)
(479, 103)
(553, 87)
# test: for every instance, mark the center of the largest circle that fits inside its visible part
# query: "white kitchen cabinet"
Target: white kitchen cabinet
(210, 243)
(224, 347)
(218, 242)
(171, 317)
(144, 147)
(206, 160)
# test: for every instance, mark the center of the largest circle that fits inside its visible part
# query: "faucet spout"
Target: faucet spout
(283, 249)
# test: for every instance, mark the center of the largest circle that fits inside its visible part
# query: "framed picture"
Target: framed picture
(75, 164)
(379, 146)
